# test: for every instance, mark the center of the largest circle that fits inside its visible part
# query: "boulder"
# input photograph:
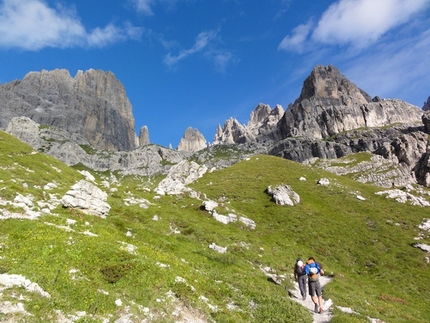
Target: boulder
(88, 198)
(283, 195)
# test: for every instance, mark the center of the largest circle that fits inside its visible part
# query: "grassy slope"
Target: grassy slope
(365, 244)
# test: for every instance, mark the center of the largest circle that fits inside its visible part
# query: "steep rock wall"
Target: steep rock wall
(93, 104)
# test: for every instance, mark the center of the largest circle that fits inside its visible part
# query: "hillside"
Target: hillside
(150, 260)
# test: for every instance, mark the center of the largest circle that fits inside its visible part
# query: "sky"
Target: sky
(197, 63)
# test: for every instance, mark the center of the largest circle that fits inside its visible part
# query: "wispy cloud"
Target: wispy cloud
(202, 41)
(358, 23)
(33, 25)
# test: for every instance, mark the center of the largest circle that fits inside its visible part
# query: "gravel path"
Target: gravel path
(326, 315)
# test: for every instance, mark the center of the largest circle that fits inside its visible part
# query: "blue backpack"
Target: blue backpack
(314, 271)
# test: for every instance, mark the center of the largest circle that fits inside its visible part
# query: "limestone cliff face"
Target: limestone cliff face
(192, 140)
(330, 104)
(93, 104)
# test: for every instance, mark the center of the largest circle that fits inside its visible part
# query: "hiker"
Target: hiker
(300, 276)
(314, 270)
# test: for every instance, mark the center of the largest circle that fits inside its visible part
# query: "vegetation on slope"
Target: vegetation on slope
(150, 263)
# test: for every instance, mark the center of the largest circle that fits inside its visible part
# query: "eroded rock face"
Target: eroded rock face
(330, 104)
(179, 176)
(93, 105)
(69, 148)
(192, 140)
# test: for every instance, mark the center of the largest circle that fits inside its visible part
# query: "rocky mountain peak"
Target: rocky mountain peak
(326, 83)
(192, 140)
(260, 112)
(330, 104)
(93, 104)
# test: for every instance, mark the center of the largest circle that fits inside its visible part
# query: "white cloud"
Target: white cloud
(144, 6)
(202, 41)
(33, 25)
(395, 70)
(296, 41)
(362, 22)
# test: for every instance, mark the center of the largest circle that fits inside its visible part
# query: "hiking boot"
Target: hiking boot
(304, 297)
(321, 310)
(316, 310)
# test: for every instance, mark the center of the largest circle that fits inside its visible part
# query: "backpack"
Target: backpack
(314, 270)
(300, 269)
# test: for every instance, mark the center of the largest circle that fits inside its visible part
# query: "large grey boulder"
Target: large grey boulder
(283, 195)
(88, 198)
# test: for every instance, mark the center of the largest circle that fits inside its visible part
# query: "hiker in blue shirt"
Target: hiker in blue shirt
(314, 270)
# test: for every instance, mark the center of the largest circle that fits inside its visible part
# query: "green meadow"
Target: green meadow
(157, 260)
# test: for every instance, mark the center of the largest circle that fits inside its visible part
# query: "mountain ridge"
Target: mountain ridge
(331, 118)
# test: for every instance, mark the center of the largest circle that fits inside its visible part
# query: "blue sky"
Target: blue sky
(196, 63)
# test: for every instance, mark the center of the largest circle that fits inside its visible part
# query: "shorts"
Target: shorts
(314, 288)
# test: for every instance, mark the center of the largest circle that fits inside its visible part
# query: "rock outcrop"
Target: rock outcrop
(192, 140)
(92, 105)
(179, 176)
(330, 104)
(88, 198)
(73, 149)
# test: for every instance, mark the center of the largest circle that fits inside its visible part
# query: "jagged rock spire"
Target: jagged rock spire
(144, 136)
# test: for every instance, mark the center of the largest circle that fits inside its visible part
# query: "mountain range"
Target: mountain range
(88, 119)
